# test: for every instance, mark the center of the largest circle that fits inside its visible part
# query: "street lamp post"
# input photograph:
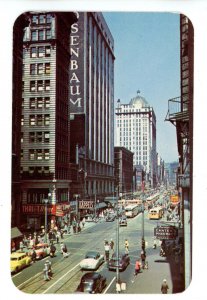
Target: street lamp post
(117, 247)
(46, 202)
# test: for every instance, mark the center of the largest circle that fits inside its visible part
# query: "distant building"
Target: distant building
(45, 130)
(136, 130)
(123, 169)
(92, 107)
(171, 169)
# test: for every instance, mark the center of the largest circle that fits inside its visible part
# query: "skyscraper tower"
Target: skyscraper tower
(92, 104)
(45, 131)
(136, 130)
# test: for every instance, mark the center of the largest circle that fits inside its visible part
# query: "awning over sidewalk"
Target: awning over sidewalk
(15, 233)
(112, 200)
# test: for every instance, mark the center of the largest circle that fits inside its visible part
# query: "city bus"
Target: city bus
(132, 210)
(155, 213)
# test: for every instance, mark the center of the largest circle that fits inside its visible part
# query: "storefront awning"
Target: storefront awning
(15, 233)
(112, 200)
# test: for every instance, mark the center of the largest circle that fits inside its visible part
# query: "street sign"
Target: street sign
(85, 204)
(166, 232)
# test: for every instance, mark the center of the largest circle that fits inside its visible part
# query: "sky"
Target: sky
(147, 50)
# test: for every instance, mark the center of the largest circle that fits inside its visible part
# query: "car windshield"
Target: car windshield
(91, 255)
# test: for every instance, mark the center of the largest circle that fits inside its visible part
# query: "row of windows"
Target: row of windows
(40, 51)
(39, 102)
(45, 169)
(37, 120)
(39, 154)
(41, 19)
(39, 85)
(37, 137)
(40, 68)
(41, 34)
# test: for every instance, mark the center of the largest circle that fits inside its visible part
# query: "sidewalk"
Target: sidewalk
(159, 268)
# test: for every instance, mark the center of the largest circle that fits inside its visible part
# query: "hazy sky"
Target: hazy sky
(147, 49)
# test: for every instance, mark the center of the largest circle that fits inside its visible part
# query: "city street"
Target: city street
(67, 273)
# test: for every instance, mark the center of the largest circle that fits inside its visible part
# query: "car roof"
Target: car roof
(17, 254)
(94, 253)
(90, 275)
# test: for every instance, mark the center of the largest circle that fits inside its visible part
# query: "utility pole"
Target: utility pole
(117, 245)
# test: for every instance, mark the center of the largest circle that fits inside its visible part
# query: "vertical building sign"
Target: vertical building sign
(76, 89)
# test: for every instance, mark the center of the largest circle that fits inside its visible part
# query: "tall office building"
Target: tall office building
(92, 105)
(136, 130)
(45, 131)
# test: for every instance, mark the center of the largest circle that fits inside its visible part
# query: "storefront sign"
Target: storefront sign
(166, 232)
(61, 209)
(37, 209)
(86, 204)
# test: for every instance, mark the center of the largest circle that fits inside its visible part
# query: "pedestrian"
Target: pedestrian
(143, 258)
(107, 248)
(126, 244)
(83, 221)
(34, 255)
(52, 250)
(21, 245)
(137, 267)
(164, 287)
(112, 245)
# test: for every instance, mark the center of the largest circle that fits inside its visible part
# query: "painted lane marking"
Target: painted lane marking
(61, 278)
(109, 285)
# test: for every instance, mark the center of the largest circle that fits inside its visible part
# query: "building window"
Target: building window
(34, 35)
(32, 69)
(32, 120)
(46, 137)
(39, 154)
(40, 85)
(40, 69)
(47, 85)
(46, 170)
(47, 51)
(39, 137)
(32, 103)
(39, 102)
(22, 137)
(33, 52)
(40, 35)
(48, 34)
(31, 170)
(34, 19)
(47, 68)
(47, 102)
(47, 119)
(22, 120)
(22, 103)
(31, 154)
(31, 137)
(42, 19)
(32, 86)
(48, 19)
(39, 120)
(22, 154)
(47, 154)
(22, 86)
(40, 51)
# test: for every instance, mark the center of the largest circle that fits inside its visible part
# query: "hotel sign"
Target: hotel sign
(166, 232)
(76, 80)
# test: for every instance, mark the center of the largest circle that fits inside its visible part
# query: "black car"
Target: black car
(92, 282)
(124, 261)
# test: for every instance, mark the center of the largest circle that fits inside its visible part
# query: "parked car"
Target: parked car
(123, 262)
(18, 261)
(92, 260)
(123, 221)
(92, 282)
(42, 250)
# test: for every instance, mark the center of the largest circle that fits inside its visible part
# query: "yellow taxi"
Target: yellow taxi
(18, 261)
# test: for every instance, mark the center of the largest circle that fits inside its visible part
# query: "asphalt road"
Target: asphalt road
(67, 273)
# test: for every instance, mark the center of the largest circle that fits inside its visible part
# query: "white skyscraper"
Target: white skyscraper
(136, 131)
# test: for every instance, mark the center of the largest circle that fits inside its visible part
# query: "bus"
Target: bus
(132, 210)
(155, 213)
